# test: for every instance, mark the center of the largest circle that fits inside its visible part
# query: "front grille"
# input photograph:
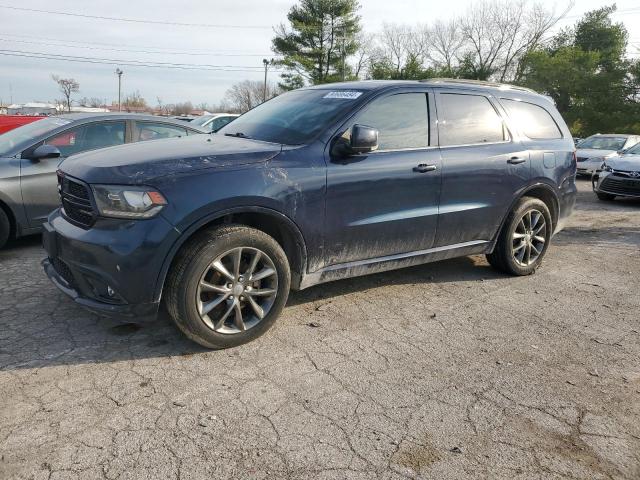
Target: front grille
(76, 201)
(62, 269)
(620, 185)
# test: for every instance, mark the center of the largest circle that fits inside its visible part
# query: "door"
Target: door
(482, 167)
(38, 178)
(386, 202)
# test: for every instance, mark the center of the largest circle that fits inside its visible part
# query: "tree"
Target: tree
(585, 71)
(315, 46)
(67, 87)
(245, 95)
(134, 101)
(92, 102)
(497, 34)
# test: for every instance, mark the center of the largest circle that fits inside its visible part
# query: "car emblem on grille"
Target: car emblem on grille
(634, 174)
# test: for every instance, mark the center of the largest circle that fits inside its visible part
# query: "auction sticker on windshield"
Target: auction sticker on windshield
(343, 95)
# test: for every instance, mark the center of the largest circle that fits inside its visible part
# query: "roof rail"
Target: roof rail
(480, 83)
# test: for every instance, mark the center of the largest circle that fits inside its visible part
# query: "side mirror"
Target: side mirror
(363, 139)
(44, 151)
(621, 152)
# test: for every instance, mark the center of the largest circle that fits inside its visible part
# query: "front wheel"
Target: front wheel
(524, 238)
(228, 286)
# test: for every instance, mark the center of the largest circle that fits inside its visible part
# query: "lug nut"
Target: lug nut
(240, 279)
(230, 297)
(229, 285)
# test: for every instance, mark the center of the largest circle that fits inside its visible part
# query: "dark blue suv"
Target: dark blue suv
(315, 185)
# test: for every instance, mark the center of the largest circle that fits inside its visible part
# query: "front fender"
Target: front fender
(196, 226)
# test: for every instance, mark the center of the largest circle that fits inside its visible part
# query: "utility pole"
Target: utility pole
(266, 69)
(119, 73)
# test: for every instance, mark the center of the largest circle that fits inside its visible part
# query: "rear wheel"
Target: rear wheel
(228, 286)
(5, 228)
(524, 238)
(606, 197)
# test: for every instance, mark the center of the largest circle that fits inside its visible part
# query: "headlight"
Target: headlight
(124, 201)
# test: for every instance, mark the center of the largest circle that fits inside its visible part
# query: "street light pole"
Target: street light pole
(266, 69)
(119, 73)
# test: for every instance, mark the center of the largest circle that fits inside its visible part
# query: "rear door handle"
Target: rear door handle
(423, 168)
(516, 160)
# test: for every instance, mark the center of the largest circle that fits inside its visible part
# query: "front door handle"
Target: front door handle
(516, 160)
(423, 168)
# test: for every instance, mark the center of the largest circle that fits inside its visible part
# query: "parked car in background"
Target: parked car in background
(315, 185)
(593, 150)
(9, 122)
(215, 121)
(31, 154)
(619, 176)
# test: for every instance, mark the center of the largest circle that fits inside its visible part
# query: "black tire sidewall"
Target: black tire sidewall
(521, 208)
(5, 228)
(206, 252)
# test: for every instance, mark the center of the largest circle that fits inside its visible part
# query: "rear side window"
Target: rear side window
(156, 131)
(533, 120)
(468, 119)
(402, 120)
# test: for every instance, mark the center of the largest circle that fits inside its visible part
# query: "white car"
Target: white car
(593, 151)
(215, 121)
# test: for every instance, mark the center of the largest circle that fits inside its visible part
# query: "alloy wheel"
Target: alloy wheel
(529, 238)
(237, 290)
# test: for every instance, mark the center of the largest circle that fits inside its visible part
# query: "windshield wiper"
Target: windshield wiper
(237, 135)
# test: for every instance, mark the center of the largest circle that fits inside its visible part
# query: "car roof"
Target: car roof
(613, 135)
(433, 82)
(75, 117)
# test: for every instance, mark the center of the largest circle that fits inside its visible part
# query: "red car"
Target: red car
(9, 122)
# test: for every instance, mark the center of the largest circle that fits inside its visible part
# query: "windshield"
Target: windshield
(294, 118)
(603, 143)
(22, 136)
(634, 150)
(200, 121)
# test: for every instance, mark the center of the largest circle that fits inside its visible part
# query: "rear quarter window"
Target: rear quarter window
(532, 120)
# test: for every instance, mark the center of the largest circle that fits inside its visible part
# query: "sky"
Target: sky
(230, 36)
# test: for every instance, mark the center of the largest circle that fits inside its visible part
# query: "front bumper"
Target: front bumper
(618, 184)
(110, 269)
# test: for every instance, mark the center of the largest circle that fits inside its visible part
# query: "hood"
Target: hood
(138, 163)
(592, 152)
(626, 163)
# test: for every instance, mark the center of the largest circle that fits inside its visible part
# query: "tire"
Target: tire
(194, 284)
(516, 239)
(605, 197)
(5, 228)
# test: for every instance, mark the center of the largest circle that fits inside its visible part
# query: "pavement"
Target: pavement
(443, 371)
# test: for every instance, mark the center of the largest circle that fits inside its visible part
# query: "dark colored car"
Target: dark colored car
(315, 185)
(31, 154)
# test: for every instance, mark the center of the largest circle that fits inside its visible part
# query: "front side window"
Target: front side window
(402, 120)
(88, 137)
(156, 131)
(468, 119)
(533, 120)
(23, 136)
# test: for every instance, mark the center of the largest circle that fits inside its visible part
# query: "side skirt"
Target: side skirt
(393, 262)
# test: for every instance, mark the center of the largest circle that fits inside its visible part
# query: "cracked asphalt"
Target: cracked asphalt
(443, 371)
